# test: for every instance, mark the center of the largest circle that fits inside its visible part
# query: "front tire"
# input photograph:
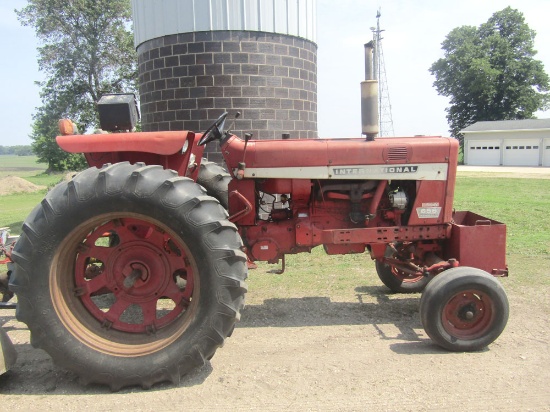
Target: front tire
(129, 275)
(464, 309)
(401, 282)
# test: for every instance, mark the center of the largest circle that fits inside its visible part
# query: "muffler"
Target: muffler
(369, 97)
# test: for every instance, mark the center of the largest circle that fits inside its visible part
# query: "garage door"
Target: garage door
(483, 153)
(546, 153)
(521, 152)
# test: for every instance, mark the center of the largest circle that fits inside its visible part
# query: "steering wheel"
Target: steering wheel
(215, 131)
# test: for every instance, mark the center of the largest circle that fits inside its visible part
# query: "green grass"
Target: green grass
(22, 166)
(15, 208)
(46, 179)
(21, 161)
(523, 204)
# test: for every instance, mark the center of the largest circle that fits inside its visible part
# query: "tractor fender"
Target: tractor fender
(162, 143)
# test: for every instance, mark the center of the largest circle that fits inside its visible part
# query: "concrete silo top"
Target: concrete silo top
(158, 18)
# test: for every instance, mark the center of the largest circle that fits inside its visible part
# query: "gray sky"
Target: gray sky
(414, 30)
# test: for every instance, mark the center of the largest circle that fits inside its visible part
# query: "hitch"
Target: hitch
(281, 270)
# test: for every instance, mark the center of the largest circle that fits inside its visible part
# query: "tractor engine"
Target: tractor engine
(344, 194)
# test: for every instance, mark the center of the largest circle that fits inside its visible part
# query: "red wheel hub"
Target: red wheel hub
(468, 314)
(132, 276)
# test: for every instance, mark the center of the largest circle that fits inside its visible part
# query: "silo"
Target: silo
(199, 58)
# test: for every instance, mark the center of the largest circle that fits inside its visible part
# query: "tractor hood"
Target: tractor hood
(409, 158)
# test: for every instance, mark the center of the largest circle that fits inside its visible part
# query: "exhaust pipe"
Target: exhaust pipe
(369, 96)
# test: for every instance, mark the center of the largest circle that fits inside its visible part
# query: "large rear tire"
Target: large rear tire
(215, 179)
(129, 275)
(464, 309)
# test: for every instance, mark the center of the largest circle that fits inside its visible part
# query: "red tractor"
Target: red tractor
(134, 271)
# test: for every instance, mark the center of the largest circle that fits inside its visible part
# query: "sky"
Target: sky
(412, 37)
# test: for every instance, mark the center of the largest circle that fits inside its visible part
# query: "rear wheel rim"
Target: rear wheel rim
(125, 285)
(468, 314)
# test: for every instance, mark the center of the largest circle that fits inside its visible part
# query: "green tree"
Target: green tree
(489, 72)
(43, 133)
(86, 51)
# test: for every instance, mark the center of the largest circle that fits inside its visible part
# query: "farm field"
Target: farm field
(14, 207)
(327, 335)
(22, 166)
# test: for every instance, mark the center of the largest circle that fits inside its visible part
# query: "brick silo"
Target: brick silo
(198, 58)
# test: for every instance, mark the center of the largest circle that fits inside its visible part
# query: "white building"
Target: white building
(508, 143)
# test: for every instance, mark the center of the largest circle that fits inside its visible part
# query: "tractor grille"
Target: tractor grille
(397, 154)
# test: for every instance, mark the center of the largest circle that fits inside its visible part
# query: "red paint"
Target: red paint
(138, 265)
(324, 152)
(151, 148)
(344, 215)
(162, 143)
(478, 242)
(468, 315)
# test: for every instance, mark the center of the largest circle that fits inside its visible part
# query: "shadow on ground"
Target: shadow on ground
(35, 373)
(373, 306)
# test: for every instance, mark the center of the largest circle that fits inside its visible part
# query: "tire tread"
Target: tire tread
(153, 185)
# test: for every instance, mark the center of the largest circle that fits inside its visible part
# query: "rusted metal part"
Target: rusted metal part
(376, 199)
(381, 234)
(412, 269)
(437, 265)
(132, 272)
(441, 266)
(405, 267)
(281, 270)
(416, 259)
(468, 314)
(246, 206)
(500, 273)
(478, 242)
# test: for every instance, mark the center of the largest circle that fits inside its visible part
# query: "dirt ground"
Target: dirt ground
(365, 352)
(14, 184)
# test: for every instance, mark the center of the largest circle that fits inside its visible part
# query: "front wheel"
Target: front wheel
(400, 282)
(464, 309)
(129, 275)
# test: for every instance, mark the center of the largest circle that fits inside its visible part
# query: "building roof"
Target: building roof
(501, 125)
